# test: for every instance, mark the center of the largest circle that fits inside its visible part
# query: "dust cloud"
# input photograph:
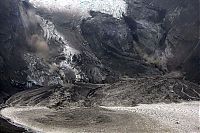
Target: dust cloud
(39, 45)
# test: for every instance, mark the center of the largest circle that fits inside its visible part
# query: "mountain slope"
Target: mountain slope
(42, 46)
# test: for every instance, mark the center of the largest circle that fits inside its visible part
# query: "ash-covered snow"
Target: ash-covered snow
(51, 32)
(82, 7)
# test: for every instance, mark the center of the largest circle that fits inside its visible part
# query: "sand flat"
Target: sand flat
(182, 117)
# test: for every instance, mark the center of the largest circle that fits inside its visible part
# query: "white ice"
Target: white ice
(112, 7)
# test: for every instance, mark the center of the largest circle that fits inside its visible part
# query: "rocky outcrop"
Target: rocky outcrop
(162, 33)
(12, 36)
(111, 40)
(168, 32)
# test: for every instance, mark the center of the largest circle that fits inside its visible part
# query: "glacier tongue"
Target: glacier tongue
(82, 7)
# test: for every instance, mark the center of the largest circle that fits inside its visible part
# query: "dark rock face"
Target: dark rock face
(111, 34)
(12, 65)
(111, 40)
(168, 31)
(163, 33)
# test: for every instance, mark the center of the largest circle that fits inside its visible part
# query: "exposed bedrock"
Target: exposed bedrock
(12, 36)
(162, 33)
(168, 32)
(112, 42)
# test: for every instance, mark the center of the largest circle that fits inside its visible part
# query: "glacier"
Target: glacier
(82, 7)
